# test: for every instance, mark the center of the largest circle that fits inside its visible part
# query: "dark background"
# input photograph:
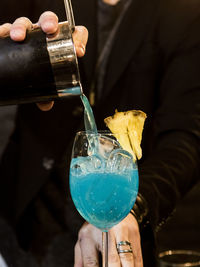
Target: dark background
(182, 231)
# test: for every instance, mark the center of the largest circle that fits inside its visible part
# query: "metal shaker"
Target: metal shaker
(40, 68)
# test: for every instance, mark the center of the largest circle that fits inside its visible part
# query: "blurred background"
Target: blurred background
(182, 231)
(7, 115)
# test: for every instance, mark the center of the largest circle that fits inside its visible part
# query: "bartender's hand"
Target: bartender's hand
(90, 242)
(48, 22)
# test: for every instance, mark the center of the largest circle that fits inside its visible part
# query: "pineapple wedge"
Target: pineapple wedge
(127, 127)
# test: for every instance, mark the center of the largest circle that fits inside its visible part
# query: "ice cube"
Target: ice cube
(120, 161)
(78, 166)
(107, 145)
(85, 165)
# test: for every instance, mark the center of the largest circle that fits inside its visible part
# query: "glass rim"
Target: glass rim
(177, 252)
(99, 132)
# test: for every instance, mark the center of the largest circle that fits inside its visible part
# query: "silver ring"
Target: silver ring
(124, 243)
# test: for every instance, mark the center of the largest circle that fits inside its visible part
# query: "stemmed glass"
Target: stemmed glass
(103, 181)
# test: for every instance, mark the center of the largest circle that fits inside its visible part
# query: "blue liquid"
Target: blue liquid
(89, 121)
(102, 198)
(90, 124)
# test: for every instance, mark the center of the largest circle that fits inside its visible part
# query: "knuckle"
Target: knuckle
(49, 15)
(22, 20)
(122, 227)
(90, 262)
(114, 258)
(22, 24)
(5, 25)
(126, 256)
(84, 232)
(5, 29)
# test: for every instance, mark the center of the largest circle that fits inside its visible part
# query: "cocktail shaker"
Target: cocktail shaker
(41, 67)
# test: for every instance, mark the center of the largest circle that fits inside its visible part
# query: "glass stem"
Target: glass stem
(105, 248)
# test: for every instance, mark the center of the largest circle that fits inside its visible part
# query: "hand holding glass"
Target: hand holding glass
(103, 179)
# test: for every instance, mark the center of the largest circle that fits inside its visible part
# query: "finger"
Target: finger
(5, 29)
(88, 246)
(19, 28)
(126, 258)
(77, 256)
(48, 21)
(137, 256)
(89, 253)
(136, 247)
(45, 106)
(80, 37)
(113, 256)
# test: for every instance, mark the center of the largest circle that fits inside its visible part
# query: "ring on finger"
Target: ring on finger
(124, 247)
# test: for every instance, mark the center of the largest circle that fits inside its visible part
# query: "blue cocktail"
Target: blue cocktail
(103, 179)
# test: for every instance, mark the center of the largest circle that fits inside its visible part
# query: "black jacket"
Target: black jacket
(154, 66)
